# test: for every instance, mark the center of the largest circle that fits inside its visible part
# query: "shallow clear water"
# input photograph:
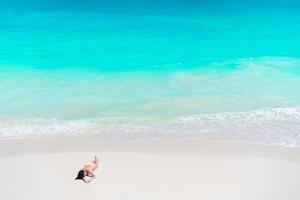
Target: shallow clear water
(149, 69)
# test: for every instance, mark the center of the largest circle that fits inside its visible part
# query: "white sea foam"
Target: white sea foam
(268, 126)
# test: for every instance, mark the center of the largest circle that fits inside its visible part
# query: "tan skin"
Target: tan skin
(89, 169)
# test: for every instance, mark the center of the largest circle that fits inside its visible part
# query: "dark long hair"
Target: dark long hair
(80, 175)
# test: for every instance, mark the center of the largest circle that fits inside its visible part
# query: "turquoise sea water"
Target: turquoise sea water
(149, 69)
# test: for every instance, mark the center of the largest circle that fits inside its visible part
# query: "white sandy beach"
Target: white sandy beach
(45, 168)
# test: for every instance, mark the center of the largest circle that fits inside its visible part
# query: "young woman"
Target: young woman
(87, 171)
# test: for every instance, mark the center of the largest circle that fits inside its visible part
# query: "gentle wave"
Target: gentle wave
(267, 126)
(234, 85)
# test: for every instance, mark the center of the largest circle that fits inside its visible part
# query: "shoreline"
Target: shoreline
(272, 126)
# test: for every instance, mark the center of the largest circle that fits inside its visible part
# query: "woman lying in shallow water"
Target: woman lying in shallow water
(87, 171)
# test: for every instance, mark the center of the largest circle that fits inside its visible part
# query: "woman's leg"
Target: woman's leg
(95, 161)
